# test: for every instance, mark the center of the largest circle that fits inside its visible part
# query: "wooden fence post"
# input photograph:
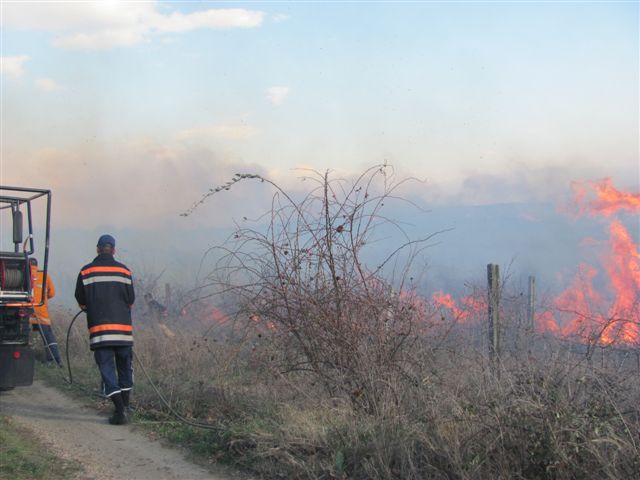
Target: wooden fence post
(167, 295)
(531, 301)
(493, 302)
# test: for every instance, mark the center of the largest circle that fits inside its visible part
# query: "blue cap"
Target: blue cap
(105, 240)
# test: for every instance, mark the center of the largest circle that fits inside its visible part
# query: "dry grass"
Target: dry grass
(550, 414)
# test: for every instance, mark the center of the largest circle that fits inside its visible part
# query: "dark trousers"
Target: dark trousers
(116, 369)
(50, 344)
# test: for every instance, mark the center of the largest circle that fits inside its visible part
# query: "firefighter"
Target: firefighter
(40, 320)
(104, 290)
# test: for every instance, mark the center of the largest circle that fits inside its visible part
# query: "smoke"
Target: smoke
(137, 190)
(142, 186)
(524, 182)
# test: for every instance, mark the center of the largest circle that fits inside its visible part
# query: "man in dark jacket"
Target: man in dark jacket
(104, 290)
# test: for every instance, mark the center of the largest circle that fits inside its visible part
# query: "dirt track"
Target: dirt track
(106, 451)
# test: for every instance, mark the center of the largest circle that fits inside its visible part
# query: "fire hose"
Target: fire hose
(166, 403)
(11, 277)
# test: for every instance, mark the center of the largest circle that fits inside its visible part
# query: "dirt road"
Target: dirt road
(105, 451)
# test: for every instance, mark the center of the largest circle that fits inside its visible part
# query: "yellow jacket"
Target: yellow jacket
(41, 314)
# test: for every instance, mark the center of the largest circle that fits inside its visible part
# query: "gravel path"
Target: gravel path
(106, 451)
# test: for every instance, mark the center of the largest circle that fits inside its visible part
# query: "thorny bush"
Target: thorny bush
(304, 289)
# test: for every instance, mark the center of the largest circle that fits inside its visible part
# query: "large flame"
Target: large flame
(602, 198)
(579, 305)
(587, 313)
(605, 317)
(546, 322)
(623, 268)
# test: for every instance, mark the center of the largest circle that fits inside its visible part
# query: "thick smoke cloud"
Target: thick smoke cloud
(140, 186)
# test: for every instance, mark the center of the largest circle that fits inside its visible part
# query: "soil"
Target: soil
(106, 452)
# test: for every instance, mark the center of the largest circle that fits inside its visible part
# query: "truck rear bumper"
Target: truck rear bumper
(16, 365)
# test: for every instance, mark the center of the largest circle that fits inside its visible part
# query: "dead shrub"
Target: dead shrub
(303, 287)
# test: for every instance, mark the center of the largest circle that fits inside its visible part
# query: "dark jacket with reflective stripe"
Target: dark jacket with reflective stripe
(105, 288)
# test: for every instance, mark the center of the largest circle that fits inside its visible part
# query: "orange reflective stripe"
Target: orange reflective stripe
(111, 326)
(39, 321)
(87, 271)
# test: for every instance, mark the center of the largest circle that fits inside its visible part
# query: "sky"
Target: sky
(129, 111)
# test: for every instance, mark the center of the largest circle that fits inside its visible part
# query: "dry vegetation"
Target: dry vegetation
(328, 368)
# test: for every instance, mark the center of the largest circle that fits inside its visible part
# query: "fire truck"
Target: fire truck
(18, 207)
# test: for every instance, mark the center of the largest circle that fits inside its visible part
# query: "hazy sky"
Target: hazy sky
(136, 108)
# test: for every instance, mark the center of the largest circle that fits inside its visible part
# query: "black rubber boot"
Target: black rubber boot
(125, 400)
(119, 416)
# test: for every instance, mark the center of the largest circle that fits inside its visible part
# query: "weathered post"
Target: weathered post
(531, 301)
(167, 295)
(493, 302)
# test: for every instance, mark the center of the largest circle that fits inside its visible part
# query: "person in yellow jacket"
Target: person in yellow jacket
(40, 320)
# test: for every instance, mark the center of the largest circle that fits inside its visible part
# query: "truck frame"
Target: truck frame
(16, 290)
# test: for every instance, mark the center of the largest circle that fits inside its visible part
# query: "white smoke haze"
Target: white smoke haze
(214, 132)
(137, 190)
(147, 184)
(47, 84)
(277, 95)
(143, 186)
(523, 182)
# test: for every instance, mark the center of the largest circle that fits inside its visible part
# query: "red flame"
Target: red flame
(471, 307)
(610, 316)
(218, 315)
(607, 199)
(447, 301)
(584, 309)
(579, 305)
(475, 305)
(546, 322)
(623, 268)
